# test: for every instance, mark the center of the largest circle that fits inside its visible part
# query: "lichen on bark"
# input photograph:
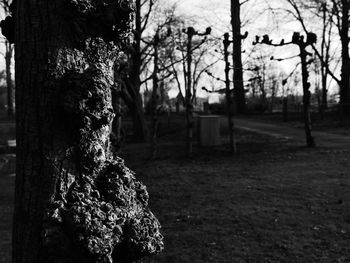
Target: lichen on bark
(98, 210)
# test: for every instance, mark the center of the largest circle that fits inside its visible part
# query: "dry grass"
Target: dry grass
(273, 202)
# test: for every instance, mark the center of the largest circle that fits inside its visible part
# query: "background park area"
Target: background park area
(274, 201)
(235, 115)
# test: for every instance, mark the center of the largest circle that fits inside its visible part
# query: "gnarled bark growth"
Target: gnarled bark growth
(74, 201)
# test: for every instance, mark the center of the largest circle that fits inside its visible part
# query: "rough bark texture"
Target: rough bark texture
(117, 136)
(73, 201)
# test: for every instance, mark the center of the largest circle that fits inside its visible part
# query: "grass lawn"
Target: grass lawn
(273, 202)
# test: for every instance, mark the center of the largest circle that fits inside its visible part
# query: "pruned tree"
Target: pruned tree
(229, 95)
(191, 81)
(192, 52)
(237, 55)
(299, 40)
(158, 38)
(73, 200)
(334, 12)
(259, 69)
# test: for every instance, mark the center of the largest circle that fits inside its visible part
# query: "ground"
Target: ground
(275, 201)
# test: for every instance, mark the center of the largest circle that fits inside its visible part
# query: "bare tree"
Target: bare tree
(237, 55)
(298, 40)
(341, 8)
(138, 57)
(228, 94)
(190, 53)
(337, 12)
(157, 40)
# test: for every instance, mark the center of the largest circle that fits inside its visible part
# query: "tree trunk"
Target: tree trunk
(154, 99)
(189, 104)
(137, 113)
(345, 68)
(73, 201)
(325, 56)
(285, 109)
(310, 142)
(140, 130)
(9, 83)
(237, 57)
(324, 100)
(228, 93)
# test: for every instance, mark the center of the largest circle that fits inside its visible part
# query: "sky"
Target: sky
(258, 19)
(255, 16)
(217, 15)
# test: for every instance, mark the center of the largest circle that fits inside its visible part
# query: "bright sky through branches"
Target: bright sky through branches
(258, 17)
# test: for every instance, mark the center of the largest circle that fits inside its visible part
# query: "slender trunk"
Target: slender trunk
(310, 142)
(154, 100)
(229, 104)
(285, 109)
(9, 83)
(345, 69)
(237, 57)
(189, 104)
(324, 100)
(73, 201)
(140, 130)
(325, 56)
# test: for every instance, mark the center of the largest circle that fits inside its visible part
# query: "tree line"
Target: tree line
(77, 62)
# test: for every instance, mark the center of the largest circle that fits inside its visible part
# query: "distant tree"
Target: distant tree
(156, 41)
(302, 43)
(138, 57)
(237, 55)
(331, 12)
(259, 70)
(274, 84)
(73, 201)
(229, 95)
(228, 91)
(341, 8)
(6, 5)
(191, 48)
(327, 17)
